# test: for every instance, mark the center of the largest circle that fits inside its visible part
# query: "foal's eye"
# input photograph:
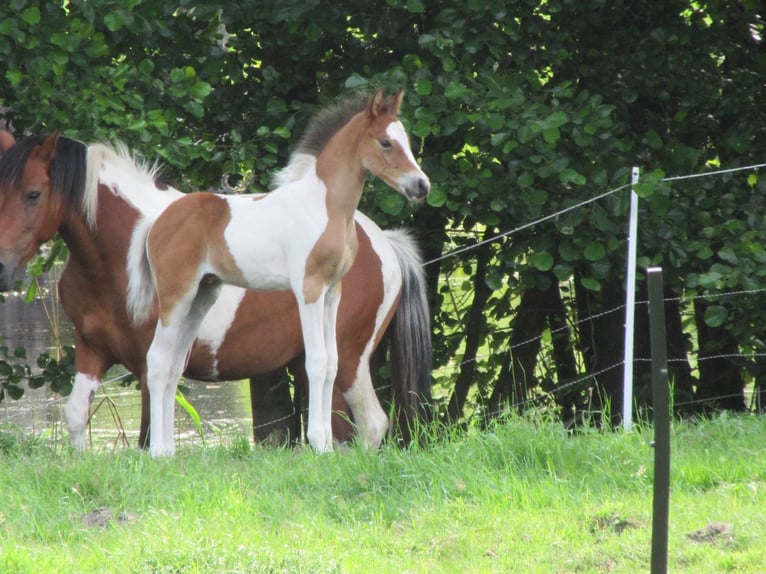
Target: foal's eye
(385, 144)
(33, 197)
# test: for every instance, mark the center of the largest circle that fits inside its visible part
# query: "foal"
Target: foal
(299, 237)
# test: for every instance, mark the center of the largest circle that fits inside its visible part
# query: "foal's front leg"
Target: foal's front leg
(313, 318)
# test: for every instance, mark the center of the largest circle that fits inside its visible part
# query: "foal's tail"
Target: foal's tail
(410, 339)
(140, 280)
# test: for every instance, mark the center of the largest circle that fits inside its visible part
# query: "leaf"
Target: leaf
(648, 182)
(114, 20)
(356, 81)
(710, 279)
(423, 87)
(436, 197)
(716, 315)
(455, 90)
(415, 6)
(31, 15)
(191, 411)
(543, 261)
(392, 204)
(14, 77)
(494, 280)
(551, 135)
(526, 179)
(15, 391)
(594, 251)
(555, 120)
(590, 283)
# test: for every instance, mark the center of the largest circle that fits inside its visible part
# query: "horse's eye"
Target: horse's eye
(385, 144)
(33, 197)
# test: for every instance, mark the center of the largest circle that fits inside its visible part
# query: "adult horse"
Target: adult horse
(300, 237)
(94, 195)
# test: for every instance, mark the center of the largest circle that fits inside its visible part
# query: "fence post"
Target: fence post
(660, 392)
(630, 307)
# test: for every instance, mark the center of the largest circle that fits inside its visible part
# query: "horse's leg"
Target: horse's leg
(77, 408)
(312, 325)
(370, 418)
(144, 436)
(89, 367)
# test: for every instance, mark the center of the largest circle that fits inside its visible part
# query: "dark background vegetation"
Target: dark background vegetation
(518, 109)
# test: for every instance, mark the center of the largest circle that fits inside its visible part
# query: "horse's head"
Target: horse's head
(386, 149)
(30, 213)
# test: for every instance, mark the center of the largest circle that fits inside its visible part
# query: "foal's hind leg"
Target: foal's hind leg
(166, 361)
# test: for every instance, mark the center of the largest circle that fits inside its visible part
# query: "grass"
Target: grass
(521, 497)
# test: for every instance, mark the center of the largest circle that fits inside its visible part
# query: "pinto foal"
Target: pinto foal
(299, 237)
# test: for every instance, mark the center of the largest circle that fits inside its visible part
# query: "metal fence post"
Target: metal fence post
(660, 391)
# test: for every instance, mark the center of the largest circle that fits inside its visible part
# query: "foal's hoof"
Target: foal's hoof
(322, 446)
(161, 452)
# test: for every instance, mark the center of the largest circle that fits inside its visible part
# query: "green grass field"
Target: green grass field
(521, 497)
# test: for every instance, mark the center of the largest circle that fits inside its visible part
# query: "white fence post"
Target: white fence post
(630, 307)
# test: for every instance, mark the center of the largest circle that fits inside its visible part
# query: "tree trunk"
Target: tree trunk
(563, 354)
(273, 407)
(602, 342)
(517, 374)
(473, 328)
(721, 384)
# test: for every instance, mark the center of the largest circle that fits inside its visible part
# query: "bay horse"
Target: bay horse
(299, 237)
(93, 195)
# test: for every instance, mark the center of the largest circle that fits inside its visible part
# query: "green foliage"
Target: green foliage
(15, 372)
(517, 109)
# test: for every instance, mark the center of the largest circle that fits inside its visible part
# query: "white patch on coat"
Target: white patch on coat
(266, 236)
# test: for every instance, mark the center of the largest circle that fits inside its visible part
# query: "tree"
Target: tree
(519, 109)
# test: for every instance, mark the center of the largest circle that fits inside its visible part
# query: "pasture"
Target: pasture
(521, 496)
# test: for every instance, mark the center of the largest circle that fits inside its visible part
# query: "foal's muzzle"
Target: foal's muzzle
(417, 189)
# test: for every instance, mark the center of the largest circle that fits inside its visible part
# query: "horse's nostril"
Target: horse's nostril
(424, 186)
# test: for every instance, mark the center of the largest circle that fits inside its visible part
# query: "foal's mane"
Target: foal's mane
(328, 121)
(322, 126)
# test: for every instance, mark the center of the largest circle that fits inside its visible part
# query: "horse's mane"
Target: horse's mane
(322, 126)
(123, 159)
(74, 170)
(67, 170)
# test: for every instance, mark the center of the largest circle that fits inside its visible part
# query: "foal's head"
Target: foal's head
(32, 204)
(373, 132)
(386, 150)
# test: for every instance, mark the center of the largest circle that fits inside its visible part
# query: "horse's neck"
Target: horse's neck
(98, 252)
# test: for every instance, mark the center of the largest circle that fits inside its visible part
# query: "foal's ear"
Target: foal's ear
(7, 141)
(376, 105)
(379, 104)
(396, 102)
(47, 150)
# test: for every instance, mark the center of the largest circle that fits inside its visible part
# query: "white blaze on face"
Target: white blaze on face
(396, 132)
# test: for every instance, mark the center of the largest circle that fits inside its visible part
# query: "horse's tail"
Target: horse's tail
(410, 340)
(140, 280)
